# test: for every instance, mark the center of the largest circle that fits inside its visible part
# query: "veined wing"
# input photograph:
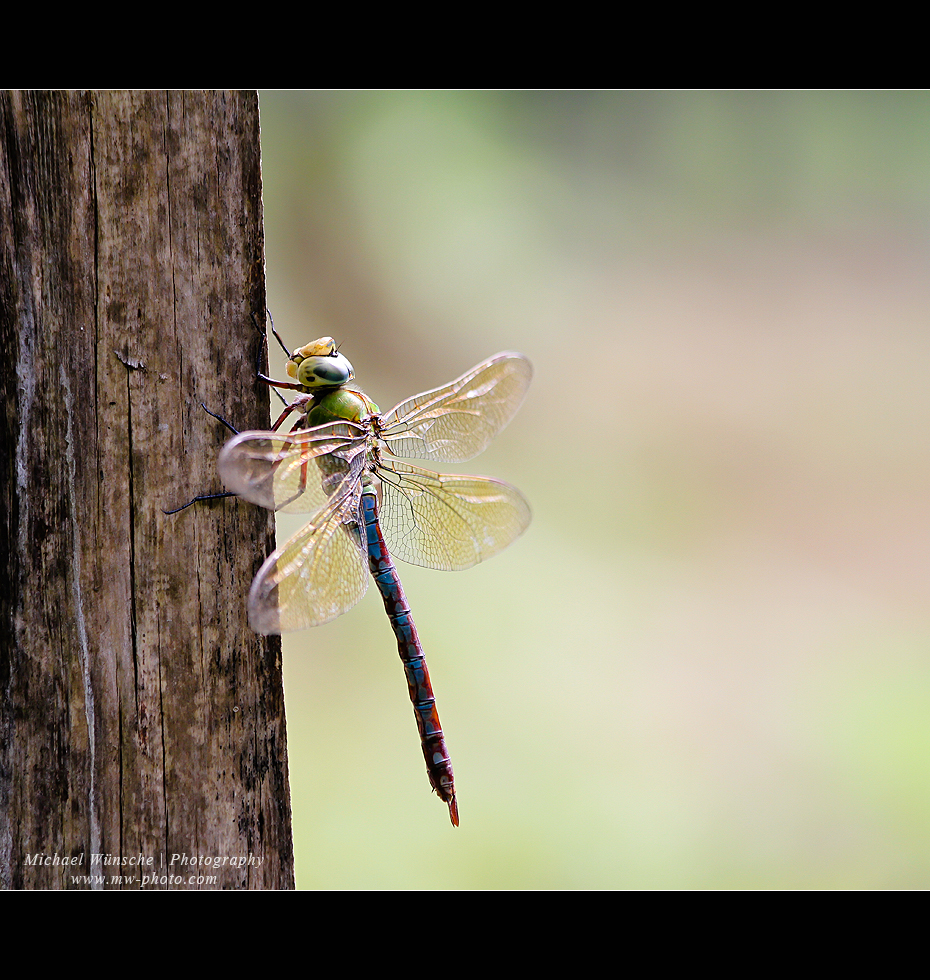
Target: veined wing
(448, 521)
(298, 472)
(456, 422)
(319, 574)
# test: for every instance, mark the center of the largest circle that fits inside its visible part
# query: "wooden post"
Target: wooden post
(141, 721)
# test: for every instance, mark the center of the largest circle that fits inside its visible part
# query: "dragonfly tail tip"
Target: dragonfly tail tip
(454, 812)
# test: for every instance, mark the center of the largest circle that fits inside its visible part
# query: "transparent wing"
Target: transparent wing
(319, 574)
(448, 521)
(456, 422)
(299, 472)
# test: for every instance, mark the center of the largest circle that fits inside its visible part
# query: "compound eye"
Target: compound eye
(328, 371)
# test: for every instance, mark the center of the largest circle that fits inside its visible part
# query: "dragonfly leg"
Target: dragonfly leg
(299, 403)
(220, 418)
(293, 385)
(264, 351)
(203, 496)
(207, 496)
(277, 336)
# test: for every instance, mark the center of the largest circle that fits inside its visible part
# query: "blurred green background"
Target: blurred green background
(707, 663)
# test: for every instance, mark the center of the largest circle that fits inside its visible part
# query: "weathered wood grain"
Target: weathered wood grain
(139, 715)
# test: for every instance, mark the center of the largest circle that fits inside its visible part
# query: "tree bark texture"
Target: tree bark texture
(141, 721)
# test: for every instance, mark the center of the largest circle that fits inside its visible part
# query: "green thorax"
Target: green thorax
(344, 404)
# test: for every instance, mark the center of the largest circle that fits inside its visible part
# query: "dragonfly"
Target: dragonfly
(341, 462)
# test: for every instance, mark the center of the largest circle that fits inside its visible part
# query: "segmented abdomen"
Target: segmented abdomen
(438, 763)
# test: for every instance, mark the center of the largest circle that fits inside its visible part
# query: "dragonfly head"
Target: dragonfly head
(319, 365)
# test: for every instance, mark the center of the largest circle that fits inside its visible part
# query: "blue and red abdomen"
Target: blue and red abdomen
(438, 763)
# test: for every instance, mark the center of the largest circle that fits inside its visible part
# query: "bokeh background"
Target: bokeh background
(707, 663)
